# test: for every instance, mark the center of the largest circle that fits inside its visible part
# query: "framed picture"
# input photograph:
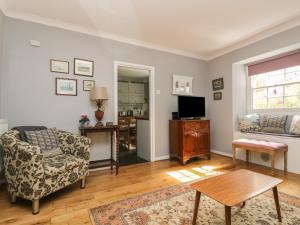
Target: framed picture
(182, 85)
(218, 84)
(218, 96)
(83, 67)
(88, 85)
(65, 86)
(59, 66)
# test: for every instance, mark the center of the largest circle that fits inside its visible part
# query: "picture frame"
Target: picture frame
(83, 67)
(182, 85)
(88, 85)
(218, 84)
(65, 86)
(217, 96)
(59, 66)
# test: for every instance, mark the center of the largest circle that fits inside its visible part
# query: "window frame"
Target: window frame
(249, 95)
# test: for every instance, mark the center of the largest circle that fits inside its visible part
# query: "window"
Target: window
(276, 89)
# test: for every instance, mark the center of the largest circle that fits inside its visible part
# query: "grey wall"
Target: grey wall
(2, 18)
(221, 112)
(29, 88)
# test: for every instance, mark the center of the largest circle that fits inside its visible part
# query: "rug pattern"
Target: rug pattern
(174, 206)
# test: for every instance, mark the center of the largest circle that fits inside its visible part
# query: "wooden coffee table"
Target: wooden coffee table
(235, 188)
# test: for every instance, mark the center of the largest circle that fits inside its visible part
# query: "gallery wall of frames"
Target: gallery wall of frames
(68, 86)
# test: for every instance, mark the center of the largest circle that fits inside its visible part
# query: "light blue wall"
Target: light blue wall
(29, 88)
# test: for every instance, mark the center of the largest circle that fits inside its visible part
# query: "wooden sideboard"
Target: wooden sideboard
(189, 139)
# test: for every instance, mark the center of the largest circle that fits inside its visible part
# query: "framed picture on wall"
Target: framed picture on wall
(83, 67)
(64, 86)
(59, 66)
(88, 85)
(218, 96)
(218, 84)
(182, 85)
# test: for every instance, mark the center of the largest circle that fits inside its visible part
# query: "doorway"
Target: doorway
(134, 112)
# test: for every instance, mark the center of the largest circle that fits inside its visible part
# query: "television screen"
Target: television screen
(190, 106)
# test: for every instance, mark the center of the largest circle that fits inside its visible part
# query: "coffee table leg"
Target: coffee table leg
(227, 215)
(197, 201)
(275, 193)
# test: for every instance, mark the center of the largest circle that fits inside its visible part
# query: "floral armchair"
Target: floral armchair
(32, 176)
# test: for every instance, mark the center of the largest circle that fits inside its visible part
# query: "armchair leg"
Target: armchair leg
(13, 198)
(35, 206)
(82, 183)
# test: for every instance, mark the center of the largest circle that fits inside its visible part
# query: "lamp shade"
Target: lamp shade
(98, 93)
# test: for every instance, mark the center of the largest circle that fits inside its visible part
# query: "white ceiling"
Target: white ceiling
(198, 28)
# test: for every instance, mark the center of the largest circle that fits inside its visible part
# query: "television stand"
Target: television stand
(189, 139)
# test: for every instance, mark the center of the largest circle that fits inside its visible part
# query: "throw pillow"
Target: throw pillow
(249, 123)
(274, 124)
(46, 140)
(295, 125)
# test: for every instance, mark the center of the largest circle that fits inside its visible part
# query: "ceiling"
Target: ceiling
(202, 29)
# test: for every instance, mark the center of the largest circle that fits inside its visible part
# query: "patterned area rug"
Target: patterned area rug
(174, 205)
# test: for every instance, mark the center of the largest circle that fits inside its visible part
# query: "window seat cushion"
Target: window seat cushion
(274, 134)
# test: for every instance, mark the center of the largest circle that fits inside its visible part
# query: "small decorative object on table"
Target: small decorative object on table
(99, 95)
(109, 124)
(84, 121)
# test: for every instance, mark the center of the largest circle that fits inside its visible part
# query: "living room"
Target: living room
(233, 58)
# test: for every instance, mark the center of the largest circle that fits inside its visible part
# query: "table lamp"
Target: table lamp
(99, 95)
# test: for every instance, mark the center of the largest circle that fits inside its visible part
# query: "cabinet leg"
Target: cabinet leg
(208, 156)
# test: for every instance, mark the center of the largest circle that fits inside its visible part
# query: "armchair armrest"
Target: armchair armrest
(72, 144)
(23, 163)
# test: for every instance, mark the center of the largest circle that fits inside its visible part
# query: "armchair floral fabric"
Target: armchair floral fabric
(32, 176)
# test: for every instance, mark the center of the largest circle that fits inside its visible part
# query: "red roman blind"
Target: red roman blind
(275, 63)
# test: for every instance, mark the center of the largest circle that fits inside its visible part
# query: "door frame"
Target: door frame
(151, 96)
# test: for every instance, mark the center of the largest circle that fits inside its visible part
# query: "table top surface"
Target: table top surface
(236, 187)
(104, 128)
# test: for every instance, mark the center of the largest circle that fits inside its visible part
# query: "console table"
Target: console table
(105, 162)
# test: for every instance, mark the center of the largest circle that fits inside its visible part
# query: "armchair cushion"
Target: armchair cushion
(45, 139)
(62, 163)
(22, 130)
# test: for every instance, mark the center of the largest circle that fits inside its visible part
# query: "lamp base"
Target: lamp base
(99, 116)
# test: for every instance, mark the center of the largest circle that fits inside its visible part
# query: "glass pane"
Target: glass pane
(293, 89)
(260, 103)
(260, 93)
(292, 77)
(275, 103)
(292, 102)
(260, 80)
(275, 92)
(292, 69)
(276, 77)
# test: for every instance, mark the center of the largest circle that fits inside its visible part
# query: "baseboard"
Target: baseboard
(159, 158)
(221, 153)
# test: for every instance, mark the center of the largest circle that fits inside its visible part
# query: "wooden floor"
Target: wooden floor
(70, 206)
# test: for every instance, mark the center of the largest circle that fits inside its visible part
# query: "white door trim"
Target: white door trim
(151, 96)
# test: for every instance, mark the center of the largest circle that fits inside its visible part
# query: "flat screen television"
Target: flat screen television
(191, 107)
